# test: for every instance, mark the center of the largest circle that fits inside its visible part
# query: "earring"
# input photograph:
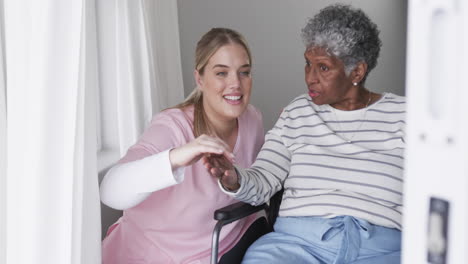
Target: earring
(355, 83)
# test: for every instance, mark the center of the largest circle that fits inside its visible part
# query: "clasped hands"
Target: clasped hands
(216, 156)
(222, 168)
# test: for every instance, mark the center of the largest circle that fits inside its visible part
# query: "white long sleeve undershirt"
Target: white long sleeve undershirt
(128, 184)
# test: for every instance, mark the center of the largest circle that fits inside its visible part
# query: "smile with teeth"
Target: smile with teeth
(232, 97)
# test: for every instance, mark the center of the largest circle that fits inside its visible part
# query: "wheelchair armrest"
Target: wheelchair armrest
(237, 211)
(229, 214)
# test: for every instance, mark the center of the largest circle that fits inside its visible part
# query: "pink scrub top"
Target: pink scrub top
(175, 224)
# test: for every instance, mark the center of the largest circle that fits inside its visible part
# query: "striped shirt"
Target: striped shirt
(333, 162)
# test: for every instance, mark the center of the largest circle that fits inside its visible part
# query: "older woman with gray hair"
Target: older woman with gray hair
(337, 151)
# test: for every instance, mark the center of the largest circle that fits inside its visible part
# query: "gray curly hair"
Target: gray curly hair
(346, 33)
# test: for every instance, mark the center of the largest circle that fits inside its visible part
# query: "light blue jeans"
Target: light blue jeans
(315, 240)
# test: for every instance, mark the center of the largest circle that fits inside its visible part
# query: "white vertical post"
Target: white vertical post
(437, 132)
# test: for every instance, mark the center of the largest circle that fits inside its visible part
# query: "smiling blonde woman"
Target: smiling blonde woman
(167, 196)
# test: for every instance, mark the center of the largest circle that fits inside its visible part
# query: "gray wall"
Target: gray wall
(272, 28)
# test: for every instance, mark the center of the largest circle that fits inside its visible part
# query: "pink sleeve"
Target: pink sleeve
(133, 179)
(162, 134)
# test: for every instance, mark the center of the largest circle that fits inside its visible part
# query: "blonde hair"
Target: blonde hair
(206, 47)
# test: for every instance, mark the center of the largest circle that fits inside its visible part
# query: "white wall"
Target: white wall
(272, 28)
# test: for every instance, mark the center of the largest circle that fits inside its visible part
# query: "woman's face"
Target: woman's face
(325, 77)
(226, 83)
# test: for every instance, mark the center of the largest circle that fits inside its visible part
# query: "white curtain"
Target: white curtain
(135, 72)
(140, 73)
(72, 83)
(52, 213)
(149, 74)
(140, 67)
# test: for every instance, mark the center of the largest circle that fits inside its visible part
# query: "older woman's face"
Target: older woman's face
(325, 77)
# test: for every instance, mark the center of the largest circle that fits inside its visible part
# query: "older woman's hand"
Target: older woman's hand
(223, 169)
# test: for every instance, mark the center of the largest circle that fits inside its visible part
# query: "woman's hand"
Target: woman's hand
(223, 169)
(191, 152)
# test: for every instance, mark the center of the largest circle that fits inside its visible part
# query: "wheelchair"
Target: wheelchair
(239, 210)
